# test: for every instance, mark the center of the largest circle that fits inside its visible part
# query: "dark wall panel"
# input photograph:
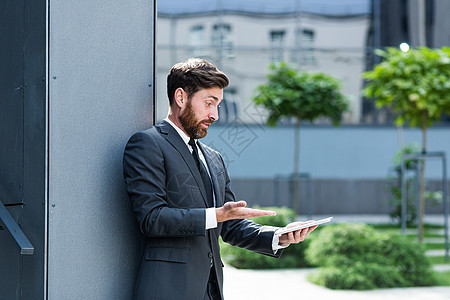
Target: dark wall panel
(22, 143)
(34, 144)
(11, 100)
(10, 261)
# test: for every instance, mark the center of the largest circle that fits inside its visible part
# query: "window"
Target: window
(277, 43)
(197, 40)
(222, 40)
(304, 48)
(228, 111)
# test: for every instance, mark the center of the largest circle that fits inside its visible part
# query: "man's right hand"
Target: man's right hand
(238, 210)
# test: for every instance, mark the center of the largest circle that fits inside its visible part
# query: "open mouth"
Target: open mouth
(206, 124)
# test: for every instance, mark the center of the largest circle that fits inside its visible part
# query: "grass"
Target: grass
(399, 227)
(435, 246)
(438, 260)
(443, 278)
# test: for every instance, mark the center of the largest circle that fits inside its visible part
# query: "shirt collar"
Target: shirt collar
(183, 135)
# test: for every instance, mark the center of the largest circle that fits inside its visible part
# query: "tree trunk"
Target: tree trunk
(295, 178)
(422, 175)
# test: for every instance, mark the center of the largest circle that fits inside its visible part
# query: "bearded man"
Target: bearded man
(181, 195)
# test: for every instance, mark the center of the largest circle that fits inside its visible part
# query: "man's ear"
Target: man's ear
(179, 96)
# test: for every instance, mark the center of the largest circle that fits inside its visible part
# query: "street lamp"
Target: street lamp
(404, 47)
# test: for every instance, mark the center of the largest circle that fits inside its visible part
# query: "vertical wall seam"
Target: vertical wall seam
(47, 150)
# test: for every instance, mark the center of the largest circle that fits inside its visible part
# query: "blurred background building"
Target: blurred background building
(243, 38)
(334, 37)
(344, 168)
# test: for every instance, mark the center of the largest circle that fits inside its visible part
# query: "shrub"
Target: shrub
(359, 276)
(292, 257)
(357, 257)
(341, 244)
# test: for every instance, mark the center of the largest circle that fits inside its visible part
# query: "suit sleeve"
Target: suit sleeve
(145, 179)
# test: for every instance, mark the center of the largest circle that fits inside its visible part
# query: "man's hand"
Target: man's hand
(237, 210)
(295, 237)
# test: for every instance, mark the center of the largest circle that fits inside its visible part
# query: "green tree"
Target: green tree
(416, 86)
(302, 96)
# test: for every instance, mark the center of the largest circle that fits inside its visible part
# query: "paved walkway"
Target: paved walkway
(292, 284)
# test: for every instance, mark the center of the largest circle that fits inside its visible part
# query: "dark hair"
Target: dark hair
(192, 75)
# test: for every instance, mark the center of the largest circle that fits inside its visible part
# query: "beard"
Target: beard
(191, 125)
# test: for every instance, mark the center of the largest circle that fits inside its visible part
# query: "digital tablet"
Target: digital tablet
(305, 225)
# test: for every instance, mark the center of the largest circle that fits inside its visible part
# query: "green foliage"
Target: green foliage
(408, 149)
(301, 95)
(414, 84)
(292, 257)
(359, 276)
(395, 191)
(355, 256)
(443, 279)
(333, 241)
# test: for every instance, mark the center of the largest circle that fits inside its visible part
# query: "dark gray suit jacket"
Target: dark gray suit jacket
(169, 201)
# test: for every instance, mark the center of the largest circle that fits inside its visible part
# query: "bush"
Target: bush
(357, 257)
(359, 276)
(292, 257)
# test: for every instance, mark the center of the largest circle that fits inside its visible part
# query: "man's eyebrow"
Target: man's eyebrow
(214, 97)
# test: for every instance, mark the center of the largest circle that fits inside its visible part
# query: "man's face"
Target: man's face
(201, 111)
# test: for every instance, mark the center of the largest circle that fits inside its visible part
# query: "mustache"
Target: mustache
(207, 121)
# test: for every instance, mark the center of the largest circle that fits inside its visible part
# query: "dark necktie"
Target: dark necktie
(203, 172)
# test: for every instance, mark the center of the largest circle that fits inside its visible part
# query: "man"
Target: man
(181, 195)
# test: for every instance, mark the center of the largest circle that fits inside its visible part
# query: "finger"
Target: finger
(292, 237)
(307, 231)
(241, 203)
(311, 229)
(232, 205)
(243, 213)
(283, 239)
(287, 238)
(250, 212)
(300, 235)
(260, 213)
(304, 234)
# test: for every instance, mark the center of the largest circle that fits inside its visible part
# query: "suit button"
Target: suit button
(210, 255)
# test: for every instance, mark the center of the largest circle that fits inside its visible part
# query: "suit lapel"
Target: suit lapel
(177, 142)
(212, 171)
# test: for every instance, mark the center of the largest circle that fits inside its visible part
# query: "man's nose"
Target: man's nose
(214, 114)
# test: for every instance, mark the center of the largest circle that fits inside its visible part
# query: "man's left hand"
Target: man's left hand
(295, 237)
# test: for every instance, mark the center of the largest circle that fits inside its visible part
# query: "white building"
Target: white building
(243, 38)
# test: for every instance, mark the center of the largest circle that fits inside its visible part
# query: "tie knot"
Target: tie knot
(192, 143)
